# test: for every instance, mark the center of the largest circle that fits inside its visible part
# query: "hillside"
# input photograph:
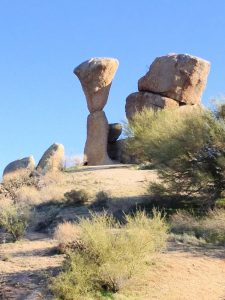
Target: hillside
(182, 271)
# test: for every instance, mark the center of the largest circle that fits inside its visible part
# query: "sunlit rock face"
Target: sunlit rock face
(96, 75)
(181, 77)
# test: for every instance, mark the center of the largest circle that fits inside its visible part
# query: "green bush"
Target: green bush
(211, 228)
(186, 145)
(108, 255)
(14, 217)
(220, 203)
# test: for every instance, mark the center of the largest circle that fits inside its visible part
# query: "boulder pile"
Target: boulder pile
(51, 161)
(172, 80)
(96, 77)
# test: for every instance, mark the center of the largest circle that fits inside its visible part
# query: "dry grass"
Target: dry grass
(211, 228)
(67, 232)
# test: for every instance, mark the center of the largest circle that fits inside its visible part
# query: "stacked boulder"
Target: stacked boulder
(96, 77)
(172, 80)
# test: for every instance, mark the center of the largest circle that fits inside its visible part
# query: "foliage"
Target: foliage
(211, 228)
(186, 145)
(14, 217)
(220, 203)
(108, 254)
(77, 197)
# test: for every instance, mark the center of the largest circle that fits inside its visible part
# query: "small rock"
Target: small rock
(115, 130)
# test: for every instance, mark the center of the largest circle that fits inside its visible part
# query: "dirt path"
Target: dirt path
(187, 274)
(179, 273)
(27, 265)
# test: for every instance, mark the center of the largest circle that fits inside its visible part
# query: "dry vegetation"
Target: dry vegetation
(110, 248)
(106, 255)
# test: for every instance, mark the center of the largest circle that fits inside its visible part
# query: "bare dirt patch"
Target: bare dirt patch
(28, 264)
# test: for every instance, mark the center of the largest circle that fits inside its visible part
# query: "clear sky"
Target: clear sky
(43, 40)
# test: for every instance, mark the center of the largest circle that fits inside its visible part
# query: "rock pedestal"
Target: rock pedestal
(97, 136)
(96, 77)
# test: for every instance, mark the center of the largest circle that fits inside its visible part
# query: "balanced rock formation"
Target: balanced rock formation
(24, 165)
(136, 101)
(96, 77)
(181, 77)
(52, 160)
(97, 136)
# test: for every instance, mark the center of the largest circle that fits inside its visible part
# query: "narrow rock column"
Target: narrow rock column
(96, 77)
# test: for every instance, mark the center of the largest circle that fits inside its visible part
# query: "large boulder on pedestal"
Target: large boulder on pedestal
(52, 160)
(181, 77)
(96, 75)
(97, 137)
(135, 102)
(24, 165)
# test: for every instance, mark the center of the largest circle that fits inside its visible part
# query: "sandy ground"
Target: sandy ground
(178, 274)
(117, 180)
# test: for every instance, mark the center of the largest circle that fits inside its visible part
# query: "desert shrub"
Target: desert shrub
(14, 217)
(186, 145)
(220, 203)
(28, 194)
(67, 232)
(11, 184)
(211, 227)
(76, 197)
(101, 201)
(109, 256)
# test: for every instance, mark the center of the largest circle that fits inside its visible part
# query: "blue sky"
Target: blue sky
(42, 41)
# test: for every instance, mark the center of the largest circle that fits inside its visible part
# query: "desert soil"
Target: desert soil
(179, 273)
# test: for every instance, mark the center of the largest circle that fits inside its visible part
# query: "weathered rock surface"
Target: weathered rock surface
(117, 152)
(96, 77)
(181, 77)
(115, 130)
(135, 102)
(97, 137)
(26, 164)
(52, 160)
